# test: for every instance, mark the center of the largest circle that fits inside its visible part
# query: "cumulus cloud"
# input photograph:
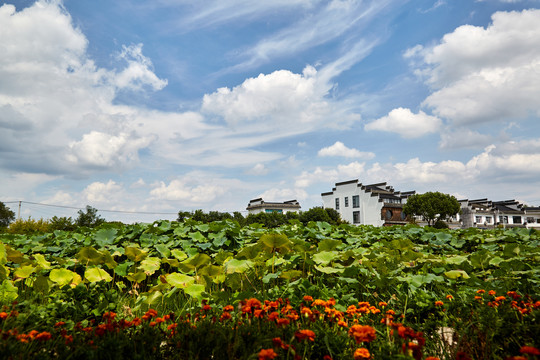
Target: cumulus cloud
(464, 138)
(280, 102)
(406, 123)
(104, 150)
(98, 192)
(284, 194)
(352, 170)
(485, 74)
(259, 169)
(339, 149)
(57, 103)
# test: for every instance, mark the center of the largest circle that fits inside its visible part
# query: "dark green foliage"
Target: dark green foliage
(6, 215)
(62, 223)
(432, 206)
(89, 218)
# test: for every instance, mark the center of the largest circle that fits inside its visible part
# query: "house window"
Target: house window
(516, 219)
(356, 217)
(337, 203)
(356, 201)
(488, 219)
(478, 219)
(269, 211)
(538, 221)
(403, 216)
(503, 219)
(388, 214)
(346, 201)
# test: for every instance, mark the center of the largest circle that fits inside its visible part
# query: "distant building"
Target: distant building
(484, 213)
(374, 204)
(256, 206)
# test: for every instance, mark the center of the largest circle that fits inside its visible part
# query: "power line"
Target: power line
(82, 208)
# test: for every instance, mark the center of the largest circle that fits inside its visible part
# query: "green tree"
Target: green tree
(315, 214)
(89, 218)
(6, 215)
(432, 206)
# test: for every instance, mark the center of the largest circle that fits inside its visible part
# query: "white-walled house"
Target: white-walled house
(483, 213)
(374, 204)
(256, 206)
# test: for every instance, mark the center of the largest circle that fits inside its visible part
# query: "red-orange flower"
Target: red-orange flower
(492, 292)
(305, 334)
(267, 354)
(432, 358)
(439, 303)
(43, 336)
(363, 333)
(362, 354)
(529, 350)
(448, 297)
(228, 308)
(308, 298)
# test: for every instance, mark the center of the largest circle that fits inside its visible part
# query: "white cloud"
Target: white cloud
(281, 102)
(486, 74)
(104, 150)
(352, 170)
(405, 123)
(281, 194)
(56, 102)
(98, 192)
(139, 72)
(258, 170)
(464, 138)
(339, 149)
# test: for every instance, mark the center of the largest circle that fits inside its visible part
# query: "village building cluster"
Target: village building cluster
(380, 205)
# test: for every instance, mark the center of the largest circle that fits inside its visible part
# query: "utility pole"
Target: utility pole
(19, 213)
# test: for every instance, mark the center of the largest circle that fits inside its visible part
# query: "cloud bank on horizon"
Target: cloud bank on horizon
(170, 106)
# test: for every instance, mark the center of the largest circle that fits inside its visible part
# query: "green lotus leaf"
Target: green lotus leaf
(89, 256)
(195, 291)
(211, 270)
(291, 274)
(3, 254)
(197, 261)
(150, 265)
(137, 277)
(14, 256)
(8, 292)
(104, 237)
(178, 254)
(275, 242)
(61, 276)
(328, 269)
(97, 274)
(180, 280)
(325, 257)
(455, 274)
(329, 244)
(163, 250)
(237, 266)
(40, 259)
(135, 254)
(24, 271)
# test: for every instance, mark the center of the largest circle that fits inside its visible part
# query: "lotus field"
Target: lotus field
(191, 290)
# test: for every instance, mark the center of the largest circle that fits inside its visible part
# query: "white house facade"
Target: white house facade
(483, 213)
(374, 204)
(256, 206)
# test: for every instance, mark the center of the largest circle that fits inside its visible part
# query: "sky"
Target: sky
(142, 109)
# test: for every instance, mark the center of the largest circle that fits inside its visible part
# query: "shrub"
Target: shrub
(29, 226)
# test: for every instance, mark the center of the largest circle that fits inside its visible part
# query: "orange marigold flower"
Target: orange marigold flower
(331, 302)
(60, 323)
(206, 308)
(363, 333)
(3, 315)
(283, 322)
(153, 323)
(432, 358)
(492, 292)
(327, 357)
(439, 303)
(529, 350)
(307, 298)
(481, 291)
(342, 323)
(362, 354)
(318, 302)
(44, 336)
(225, 316)
(228, 308)
(267, 354)
(306, 311)
(500, 298)
(33, 333)
(514, 295)
(277, 342)
(383, 304)
(477, 297)
(305, 334)
(172, 326)
(517, 358)
(449, 297)
(68, 339)
(137, 321)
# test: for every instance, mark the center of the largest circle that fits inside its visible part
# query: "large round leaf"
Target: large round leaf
(61, 276)
(97, 274)
(180, 280)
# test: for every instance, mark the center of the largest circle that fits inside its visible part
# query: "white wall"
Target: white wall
(370, 207)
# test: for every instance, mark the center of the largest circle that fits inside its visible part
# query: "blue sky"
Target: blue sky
(175, 105)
